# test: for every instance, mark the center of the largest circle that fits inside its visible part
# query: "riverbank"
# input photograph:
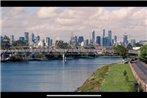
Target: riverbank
(45, 58)
(110, 78)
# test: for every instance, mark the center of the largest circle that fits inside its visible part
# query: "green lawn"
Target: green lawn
(110, 78)
(116, 81)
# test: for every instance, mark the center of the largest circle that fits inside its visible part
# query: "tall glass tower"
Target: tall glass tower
(109, 38)
(93, 37)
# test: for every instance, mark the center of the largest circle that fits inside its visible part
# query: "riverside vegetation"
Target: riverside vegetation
(110, 78)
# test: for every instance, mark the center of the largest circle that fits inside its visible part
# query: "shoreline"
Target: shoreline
(68, 58)
(99, 80)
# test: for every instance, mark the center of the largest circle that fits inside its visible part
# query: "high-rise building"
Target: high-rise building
(125, 40)
(112, 42)
(103, 39)
(22, 39)
(48, 41)
(98, 40)
(73, 40)
(109, 38)
(103, 33)
(37, 39)
(11, 39)
(80, 39)
(115, 39)
(93, 37)
(133, 42)
(86, 42)
(51, 42)
(33, 38)
(26, 37)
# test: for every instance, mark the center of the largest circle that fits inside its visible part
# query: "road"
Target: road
(141, 69)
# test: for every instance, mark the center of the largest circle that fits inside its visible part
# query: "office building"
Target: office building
(86, 42)
(133, 42)
(22, 39)
(48, 41)
(109, 38)
(98, 40)
(11, 39)
(26, 37)
(103, 38)
(80, 40)
(33, 38)
(115, 39)
(125, 40)
(93, 37)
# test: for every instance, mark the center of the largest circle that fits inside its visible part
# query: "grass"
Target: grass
(110, 78)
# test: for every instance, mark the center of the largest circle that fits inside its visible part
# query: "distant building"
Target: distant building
(26, 37)
(48, 41)
(73, 40)
(11, 39)
(86, 42)
(51, 43)
(80, 40)
(37, 39)
(133, 42)
(22, 39)
(109, 41)
(125, 40)
(93, 37)
(33, 38)
(115, 39)
(144, 42)
(105, 41)
(98, 40)
(103, 38)
(112, 42)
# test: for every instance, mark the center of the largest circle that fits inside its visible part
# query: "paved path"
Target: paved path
(141, 69)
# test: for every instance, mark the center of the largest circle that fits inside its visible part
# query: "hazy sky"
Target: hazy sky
(62, 22)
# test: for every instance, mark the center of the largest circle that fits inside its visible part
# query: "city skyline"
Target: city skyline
(60, 23)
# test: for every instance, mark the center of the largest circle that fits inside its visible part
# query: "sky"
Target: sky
(60, 23)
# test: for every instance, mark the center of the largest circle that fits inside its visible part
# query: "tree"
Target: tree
(138, 44)
(129, 46)
(121, 51)
(143, 53)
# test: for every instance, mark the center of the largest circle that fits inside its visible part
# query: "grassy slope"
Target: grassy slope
(110, 78)
(116, 81)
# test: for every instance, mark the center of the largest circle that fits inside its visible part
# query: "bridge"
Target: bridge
(47, 50)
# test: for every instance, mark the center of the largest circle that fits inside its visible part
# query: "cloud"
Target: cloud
(56, 21)
(47, 12)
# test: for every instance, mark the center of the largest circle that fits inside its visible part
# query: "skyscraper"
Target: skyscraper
(125, 40)
(103, 39)
(115, 39)
(11, 39)
(80, 39)
(51, 41)
(33, 38)
(37, 39)
(26, 37)
(98, 40)
(109, 38)
(133, 42)
(86, 42)
(93, 37)
(48, 41)
(22, 39)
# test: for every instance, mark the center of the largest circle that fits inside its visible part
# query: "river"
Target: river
(49, 76)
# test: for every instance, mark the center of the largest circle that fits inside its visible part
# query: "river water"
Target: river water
(49, 76)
